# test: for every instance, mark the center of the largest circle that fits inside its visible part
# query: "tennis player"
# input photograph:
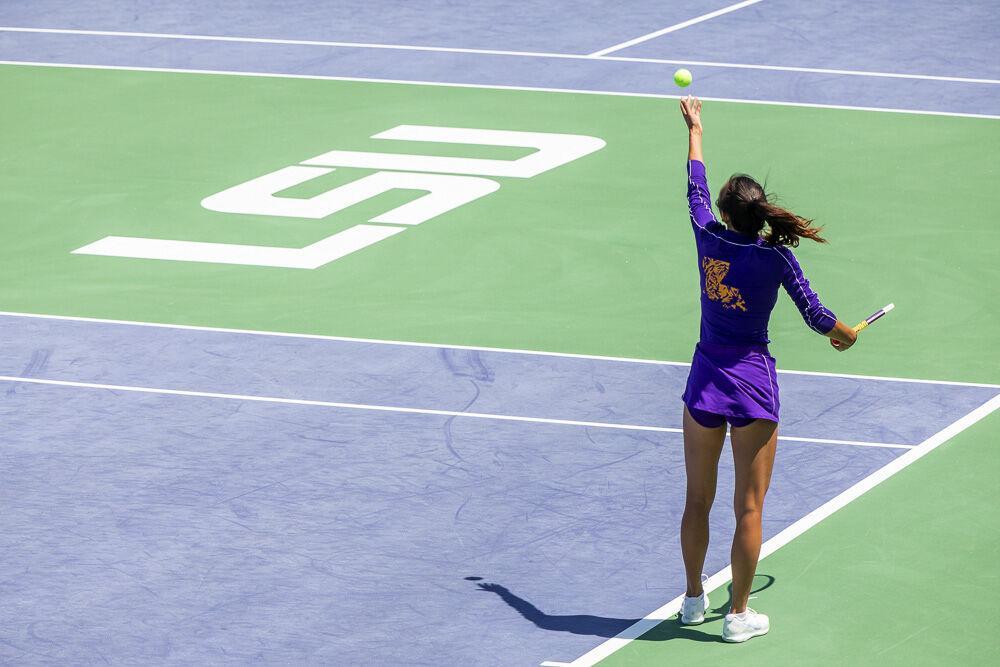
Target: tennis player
(743, 260)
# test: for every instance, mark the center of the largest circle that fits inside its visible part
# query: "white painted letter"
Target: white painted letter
(444, 193)
(311, 257)
(553, 150)
(257, 196)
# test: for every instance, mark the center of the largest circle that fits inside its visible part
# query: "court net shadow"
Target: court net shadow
(602, 626)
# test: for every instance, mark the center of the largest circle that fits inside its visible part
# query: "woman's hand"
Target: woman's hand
(691, 110)
(840, 347)
(842, 337)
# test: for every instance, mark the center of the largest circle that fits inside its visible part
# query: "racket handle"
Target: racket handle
(863, 324)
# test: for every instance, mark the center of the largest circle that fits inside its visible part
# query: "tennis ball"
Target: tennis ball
(682, 78)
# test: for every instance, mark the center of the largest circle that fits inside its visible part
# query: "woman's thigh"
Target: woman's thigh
(754, 447)
(702, 448)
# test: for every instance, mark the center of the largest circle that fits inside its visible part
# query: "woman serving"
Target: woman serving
(743, 260)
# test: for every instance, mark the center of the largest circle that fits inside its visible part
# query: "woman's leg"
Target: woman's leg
(702, 447)
(754, 446)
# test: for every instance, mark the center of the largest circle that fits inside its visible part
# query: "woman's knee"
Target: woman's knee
(699, 503)
(751, 511)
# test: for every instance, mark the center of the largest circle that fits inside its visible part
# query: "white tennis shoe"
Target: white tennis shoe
(741, 627)
(693, 609)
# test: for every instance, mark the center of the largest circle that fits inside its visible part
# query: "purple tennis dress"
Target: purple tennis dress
(732, 373)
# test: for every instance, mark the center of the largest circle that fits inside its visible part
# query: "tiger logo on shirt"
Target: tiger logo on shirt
(715, 272)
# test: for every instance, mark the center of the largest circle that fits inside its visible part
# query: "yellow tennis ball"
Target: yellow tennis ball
(682, 78)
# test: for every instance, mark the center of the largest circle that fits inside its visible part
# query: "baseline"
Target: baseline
(477, 348)
(480, 384)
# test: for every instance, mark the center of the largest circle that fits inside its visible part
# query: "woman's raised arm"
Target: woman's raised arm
(691, 110)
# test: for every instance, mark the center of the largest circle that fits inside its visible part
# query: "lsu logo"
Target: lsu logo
(448, 182)
(715, 272)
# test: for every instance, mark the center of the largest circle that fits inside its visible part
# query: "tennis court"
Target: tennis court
(355, 333)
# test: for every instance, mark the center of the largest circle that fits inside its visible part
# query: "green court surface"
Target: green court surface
(593, 257)
(902, 576)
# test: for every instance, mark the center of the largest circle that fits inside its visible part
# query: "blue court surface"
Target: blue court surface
(196, 496)
(218, 497)
(872, 55)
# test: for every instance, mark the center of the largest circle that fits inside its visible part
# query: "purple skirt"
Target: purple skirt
(734, 381)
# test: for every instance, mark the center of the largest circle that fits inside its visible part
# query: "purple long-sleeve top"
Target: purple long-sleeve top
(740, 276)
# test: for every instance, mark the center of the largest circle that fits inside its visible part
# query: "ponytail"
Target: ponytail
(786, 228)
(748, 208)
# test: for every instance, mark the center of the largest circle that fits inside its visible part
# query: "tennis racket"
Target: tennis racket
(874, 316)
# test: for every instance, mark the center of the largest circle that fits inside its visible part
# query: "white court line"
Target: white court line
(477, 348)
(656, 617)
(393, 408)
(496, 52)
(295, 42)
(320, 77)
(673, 28)
(808, 70)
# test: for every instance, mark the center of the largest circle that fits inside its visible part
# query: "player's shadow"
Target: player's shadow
(602, 626)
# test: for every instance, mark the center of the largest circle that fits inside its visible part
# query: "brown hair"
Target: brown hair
(747, 207)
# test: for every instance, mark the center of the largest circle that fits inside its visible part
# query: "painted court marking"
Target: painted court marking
(540, 89)
(392, 408)
(656, 617)
(674, 28)
(498, 52)
(542, 353)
